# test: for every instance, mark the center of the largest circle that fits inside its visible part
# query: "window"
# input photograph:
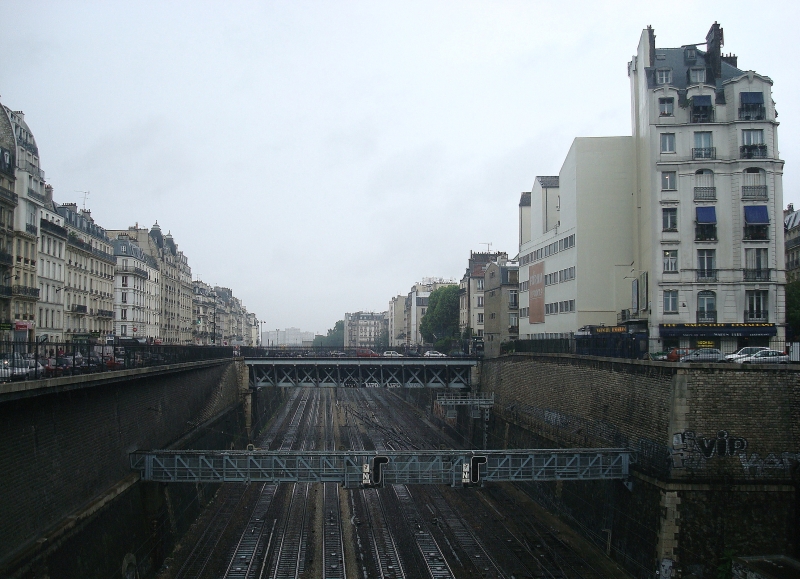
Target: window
(669, 218)
(124, 281)
(706, 265)
(756, 264)
(697, 75)
(669, 180)
(705, 224)
(513, 320)
(753, 137)
(513, 298)
(480, 333)
(667, 142)
(492, 315)
(479, 285)
(706, 307)
(703, 146)
(123, 314)
(123, 329)
(663, 76)
(480, 301)
(751, 106)
(124, 297)
(756, 304)
(480, 318)
(756, 222)
(704, 189)
(666, 107)
(670, 260)
(670, 301)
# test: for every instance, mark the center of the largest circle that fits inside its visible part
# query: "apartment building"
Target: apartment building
(89, 289)
(791, 226)
(397, 330)
(416, 305)
(501, 306)
(471, 315)
(364, 329)
(675, 231)
(137, 292)
(709, 196)
(8, 207)
(52, 268)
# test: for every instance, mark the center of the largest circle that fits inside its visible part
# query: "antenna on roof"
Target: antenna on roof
(487, 244)
(85, 195)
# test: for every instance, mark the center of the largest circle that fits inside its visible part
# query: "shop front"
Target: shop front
(726, 337)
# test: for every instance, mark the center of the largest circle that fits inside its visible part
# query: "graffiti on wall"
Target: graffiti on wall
(774, 462)
(690, 450)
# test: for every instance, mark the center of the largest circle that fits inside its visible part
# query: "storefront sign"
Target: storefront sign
(716, 330)
(609, 330)
(23, 325)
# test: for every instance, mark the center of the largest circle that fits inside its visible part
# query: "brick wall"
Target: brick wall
(717, 452)
(59, 451)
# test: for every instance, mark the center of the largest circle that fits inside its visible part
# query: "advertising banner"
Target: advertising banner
(536, 293)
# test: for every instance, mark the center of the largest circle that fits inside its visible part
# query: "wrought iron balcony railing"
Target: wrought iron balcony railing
(32, 229)
(705, 193)
(79, 309)
(752, 113)
(23, 290)
(754, 191)
(9, 195)
(756, 316)
(753, 151)
(707, 275)
(757, 274)
(702, 115)
(704, 153)
(707, 317)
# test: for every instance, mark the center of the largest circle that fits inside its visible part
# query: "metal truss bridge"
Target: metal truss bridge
(363, 468)
(361, 372)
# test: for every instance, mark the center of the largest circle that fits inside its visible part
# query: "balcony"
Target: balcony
(754, 191)
(78, 309)
(32, 229)
(705, 232)
(52, 228)
(756, 316)
(753, 151)
(756, 274)
(9, 195)
(705, 193)
(707, 275)
(752, 113)
(6, 258)
(26, 165)
(702, 115)
(105, 313)
(5, 291)
(130, 269)
(756, 232)
(36, 196)
(25, 291)
(704, 153)
(707, 317)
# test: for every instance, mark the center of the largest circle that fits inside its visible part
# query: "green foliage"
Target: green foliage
(334, 339)
(793, 306)
(724, 569)
(382, 341)
(441, 318)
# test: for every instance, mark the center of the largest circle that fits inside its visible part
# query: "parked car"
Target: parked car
(51, 369)
(19, 369)
(703, 355)
(35, 368)
(677, 353)
(338, 355)
(434, 354)
(765, 357)
(744, 353)
(659, 356)
(392, 354)
(366, 353)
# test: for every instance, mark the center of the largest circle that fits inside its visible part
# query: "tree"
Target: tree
(441, 318)
(793, 306)
(334, 339)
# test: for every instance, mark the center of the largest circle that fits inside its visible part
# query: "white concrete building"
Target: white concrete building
(709, 197)
(576, 233)
(397, 330)
(137, 292)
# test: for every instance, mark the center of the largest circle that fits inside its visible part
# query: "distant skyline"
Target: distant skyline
(320, 158)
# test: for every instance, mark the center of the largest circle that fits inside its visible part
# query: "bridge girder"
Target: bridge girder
(377, 372)
(359, 468)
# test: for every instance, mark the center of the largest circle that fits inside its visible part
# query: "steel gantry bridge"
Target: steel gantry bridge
(364, 468)
(361, 372)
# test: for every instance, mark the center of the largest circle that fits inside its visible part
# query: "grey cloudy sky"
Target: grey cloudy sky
(321, 157)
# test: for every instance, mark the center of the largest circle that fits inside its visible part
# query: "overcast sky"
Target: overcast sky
(321, 157)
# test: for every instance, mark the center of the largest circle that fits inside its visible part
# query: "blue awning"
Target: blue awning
(701, 101)
(752, 98)
(756, 214)
(706, 214)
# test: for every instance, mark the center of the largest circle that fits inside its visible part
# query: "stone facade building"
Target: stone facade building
(791, 225)
(52, 266)
(471, 292)
(416, 305)
(89, 299)
(8, 207)
(501, 307)
(137, 292)
(364, 329)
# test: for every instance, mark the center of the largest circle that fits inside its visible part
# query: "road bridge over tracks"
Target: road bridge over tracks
(361, 372)
(369, 468)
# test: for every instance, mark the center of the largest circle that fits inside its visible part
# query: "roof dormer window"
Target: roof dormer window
(663, 76)
(691, 53)
(697, 75)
